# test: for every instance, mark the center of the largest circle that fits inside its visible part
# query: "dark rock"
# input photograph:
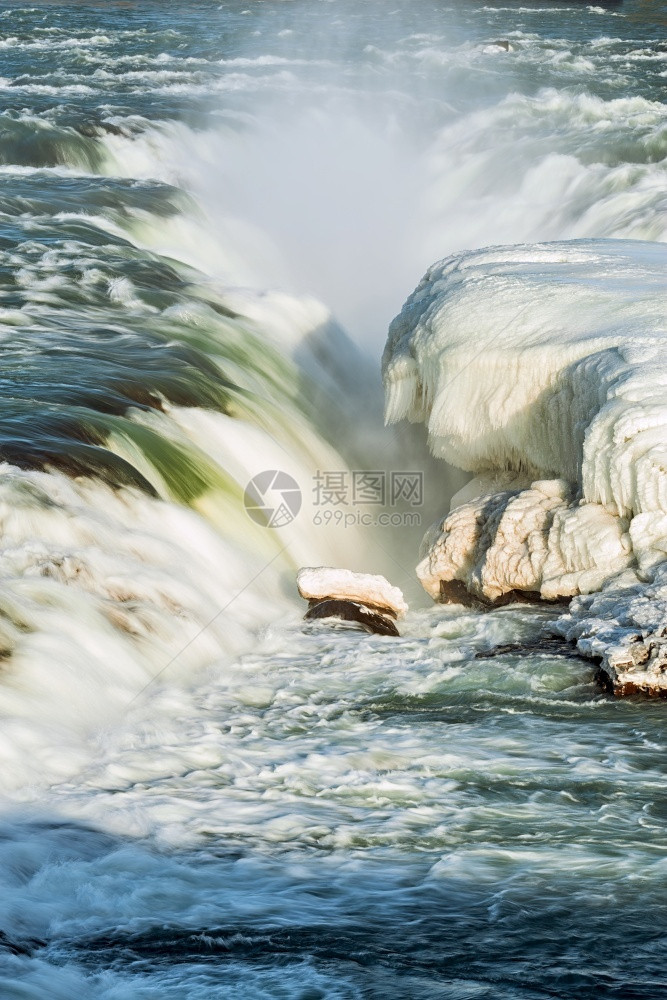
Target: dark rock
(547, 646)
(375, 620)
(27, 947)
(455, 592)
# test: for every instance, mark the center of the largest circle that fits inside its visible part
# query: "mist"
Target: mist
(346, 185)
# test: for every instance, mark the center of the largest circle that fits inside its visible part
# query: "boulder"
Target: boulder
(499, 45)
(368, 600)
(318, 583)
(352, 611)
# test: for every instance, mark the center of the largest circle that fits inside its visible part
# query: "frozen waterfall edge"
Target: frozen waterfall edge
(540, 369)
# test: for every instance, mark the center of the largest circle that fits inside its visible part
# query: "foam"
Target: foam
(95, 610)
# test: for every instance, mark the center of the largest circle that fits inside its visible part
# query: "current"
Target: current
(209, 214)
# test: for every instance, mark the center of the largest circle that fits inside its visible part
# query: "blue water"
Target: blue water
(290, 811)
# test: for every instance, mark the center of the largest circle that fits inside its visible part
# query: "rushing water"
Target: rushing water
(203, 796)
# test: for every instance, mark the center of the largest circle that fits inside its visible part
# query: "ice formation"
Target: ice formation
(322, 582)
(541, 369)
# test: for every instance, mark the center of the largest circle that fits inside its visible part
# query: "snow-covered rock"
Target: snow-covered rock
(625, 627)
(323, 582)
(533, 540)
(543, 370)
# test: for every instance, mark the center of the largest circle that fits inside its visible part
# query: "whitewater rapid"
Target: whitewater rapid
(209, 214)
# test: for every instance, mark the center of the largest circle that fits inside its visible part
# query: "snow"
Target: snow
(534, 540)
(485, 350)
(542, 370)
(624, 627)
(318, 583)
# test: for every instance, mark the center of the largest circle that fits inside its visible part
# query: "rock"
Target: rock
(352, 611)
(14, 947)
(368, 600)
(637, 667)
(455, 592)
(521, 543)
(373, 592)
(500, 45)
(541, 646)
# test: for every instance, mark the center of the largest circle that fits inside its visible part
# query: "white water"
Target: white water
(341, 201)
(217, 766)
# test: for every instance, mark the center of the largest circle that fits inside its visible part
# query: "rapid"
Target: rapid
(209, 215)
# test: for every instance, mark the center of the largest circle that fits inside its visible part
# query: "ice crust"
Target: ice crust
(542, 370)
(319, 582)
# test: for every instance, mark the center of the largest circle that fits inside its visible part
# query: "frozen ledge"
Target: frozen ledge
(539, 541)
(543, 371)
(624, 627)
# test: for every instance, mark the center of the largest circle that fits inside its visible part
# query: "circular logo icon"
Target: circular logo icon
(272, 498)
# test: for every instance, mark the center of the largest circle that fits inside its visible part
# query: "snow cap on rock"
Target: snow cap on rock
(316, 583)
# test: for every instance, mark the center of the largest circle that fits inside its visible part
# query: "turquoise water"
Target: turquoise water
(201, 795)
